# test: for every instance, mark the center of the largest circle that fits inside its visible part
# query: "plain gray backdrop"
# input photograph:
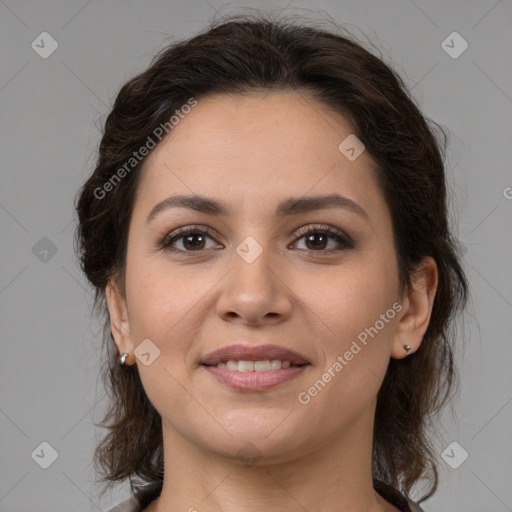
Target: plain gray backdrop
(50, 111)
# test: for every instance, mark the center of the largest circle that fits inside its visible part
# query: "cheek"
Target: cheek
(153, 306)
(168, 304)
(355, 333)
(350, 298)
(159, 300)
(161, 308)
(355, 321)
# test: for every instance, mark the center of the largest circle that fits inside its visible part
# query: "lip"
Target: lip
(239, 352)
(254, 381)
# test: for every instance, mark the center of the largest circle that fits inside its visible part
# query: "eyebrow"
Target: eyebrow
(291, 206)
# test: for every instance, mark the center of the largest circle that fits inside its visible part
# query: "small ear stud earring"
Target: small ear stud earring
(407, 348)
(122, 358)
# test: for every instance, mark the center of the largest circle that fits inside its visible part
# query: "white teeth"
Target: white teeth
(262, 366)
(232, 365)
(257, 366)
(245, 366)
(275, 364)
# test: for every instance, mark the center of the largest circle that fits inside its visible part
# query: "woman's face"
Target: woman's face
(259, 277)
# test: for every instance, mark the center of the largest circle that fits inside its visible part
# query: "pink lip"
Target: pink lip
(254, 381)
(241, 352)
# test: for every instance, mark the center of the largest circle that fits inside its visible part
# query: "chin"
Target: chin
(251, 452)
(266, 439)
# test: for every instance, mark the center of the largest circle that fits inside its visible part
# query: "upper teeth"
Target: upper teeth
(258, 366)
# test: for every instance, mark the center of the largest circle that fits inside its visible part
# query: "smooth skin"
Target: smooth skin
(307, 293)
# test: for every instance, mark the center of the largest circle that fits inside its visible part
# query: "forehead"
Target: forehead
(257, 145)
(218, 123)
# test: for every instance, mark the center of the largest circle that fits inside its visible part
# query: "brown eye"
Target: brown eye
(317, 239)
(188, 239)
(194, 241)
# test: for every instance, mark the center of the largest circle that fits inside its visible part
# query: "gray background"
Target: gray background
(50, 112)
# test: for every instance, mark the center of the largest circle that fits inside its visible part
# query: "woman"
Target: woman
(267, 232)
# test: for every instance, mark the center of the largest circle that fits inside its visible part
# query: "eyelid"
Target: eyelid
(309, 228)
(182, 231)
(334, 233)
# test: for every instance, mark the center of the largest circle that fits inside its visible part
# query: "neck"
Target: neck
(334, 475)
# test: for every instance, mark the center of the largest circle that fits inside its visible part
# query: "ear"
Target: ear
(119, 321)
(417, 309)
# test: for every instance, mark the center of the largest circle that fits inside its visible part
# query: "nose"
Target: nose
(255, 293)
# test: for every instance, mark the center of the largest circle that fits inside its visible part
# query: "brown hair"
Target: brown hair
(244, 54)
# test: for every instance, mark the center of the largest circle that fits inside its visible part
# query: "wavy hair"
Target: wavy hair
(253, 53)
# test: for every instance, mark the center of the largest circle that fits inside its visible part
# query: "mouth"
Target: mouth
(265, 365)
(246, 368)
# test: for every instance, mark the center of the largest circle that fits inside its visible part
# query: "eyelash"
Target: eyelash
(333, 233)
